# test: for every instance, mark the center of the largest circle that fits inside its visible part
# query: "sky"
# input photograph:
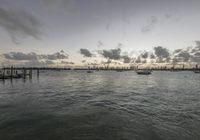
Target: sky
(49, 26)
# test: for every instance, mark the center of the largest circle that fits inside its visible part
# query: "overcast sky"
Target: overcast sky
(48, 26)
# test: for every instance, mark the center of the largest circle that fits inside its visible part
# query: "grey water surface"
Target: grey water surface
(104, 105)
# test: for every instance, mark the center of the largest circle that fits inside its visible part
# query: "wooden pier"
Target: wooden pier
(17, 73)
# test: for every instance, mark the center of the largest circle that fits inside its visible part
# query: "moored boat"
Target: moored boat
(144, 72)
(90, 71)
(119, 70)
(18, 76)
(197, 71)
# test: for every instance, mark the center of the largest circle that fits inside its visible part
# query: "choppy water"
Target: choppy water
(106, 105)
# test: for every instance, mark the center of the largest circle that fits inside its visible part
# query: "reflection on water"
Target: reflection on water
(104, 105)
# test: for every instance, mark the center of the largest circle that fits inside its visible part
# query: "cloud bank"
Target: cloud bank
(34, 59)
(86, 53)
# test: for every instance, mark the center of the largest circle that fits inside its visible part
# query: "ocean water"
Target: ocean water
(104, 105)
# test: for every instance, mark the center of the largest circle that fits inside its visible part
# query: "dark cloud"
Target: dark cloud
(184, 56)
(138, 60)
(67, 63)
(126, 59)
(162, 54)
(20, 56)
(35, 60)
(86, 53)
(113, 54)
(144, 55)
(152, 56)
(181, 56)
(194, 50)
(190, 54)
(19, 23)
(56, 56)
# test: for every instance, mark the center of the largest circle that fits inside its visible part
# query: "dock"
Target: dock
(17, 73)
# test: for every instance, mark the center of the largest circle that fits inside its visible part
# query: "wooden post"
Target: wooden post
(38, 72)
(11, 72)
(30, 73)
(24, 72)
(4, 73)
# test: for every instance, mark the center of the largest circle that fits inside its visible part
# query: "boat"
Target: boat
(119, 70)
(16, 76)
(144, 72)
(197, 71)
(90, 71)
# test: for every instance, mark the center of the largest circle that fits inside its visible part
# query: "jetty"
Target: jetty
(24, 72)
(16, 73)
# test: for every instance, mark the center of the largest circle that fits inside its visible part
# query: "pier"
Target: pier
(24, 72)
(17, 73)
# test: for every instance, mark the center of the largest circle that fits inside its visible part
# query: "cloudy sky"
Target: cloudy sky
(49, 26)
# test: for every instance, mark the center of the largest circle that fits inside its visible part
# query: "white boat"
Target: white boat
(144, 72)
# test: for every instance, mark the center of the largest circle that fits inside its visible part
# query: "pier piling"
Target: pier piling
(4, 70)
(16, 73)
(38, 72)
(30, 73)
(24, 73)
(11, 73)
